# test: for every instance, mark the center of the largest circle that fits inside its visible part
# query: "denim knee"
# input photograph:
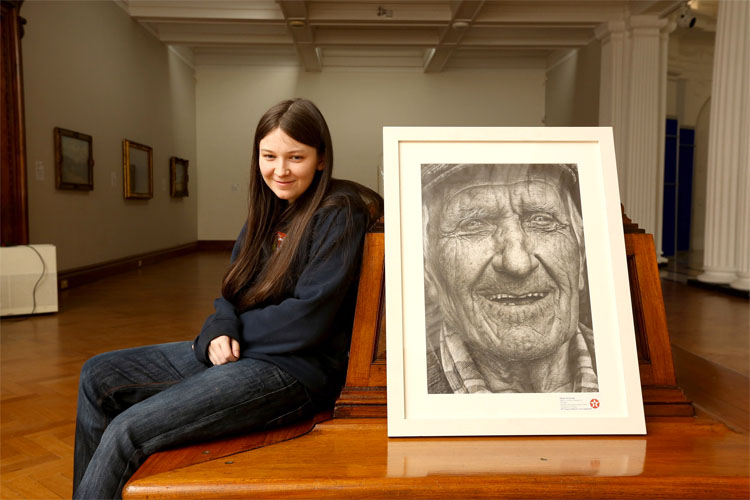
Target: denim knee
(91, 377)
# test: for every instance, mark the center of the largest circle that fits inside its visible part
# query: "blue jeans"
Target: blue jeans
(134, 402)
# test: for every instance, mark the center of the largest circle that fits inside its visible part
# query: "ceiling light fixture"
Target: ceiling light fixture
(686, 19)
(382, 11)
(297, 23)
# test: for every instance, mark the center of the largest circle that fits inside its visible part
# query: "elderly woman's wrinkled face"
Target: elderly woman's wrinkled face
(507, 265)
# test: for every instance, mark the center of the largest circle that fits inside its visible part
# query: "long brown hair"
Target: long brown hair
(255, 276)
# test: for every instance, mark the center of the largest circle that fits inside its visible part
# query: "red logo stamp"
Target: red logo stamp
(594, 403)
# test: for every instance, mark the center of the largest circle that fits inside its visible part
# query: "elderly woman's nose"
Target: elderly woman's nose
(512, 251)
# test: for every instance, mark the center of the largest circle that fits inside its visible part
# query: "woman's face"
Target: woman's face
(287, 166)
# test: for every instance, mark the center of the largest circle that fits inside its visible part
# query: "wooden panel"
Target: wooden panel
(14, 219)
(661, 396)
(639, 323)
(353, 459)
(361, 402)
(649, 307)
(367, 315)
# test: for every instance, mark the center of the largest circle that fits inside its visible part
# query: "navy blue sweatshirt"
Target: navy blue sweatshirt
(307, 333)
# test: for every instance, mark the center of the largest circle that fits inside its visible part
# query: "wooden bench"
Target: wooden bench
(346, 453)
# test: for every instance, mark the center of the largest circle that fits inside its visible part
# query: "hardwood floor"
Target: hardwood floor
(40, 356)
(710, 336)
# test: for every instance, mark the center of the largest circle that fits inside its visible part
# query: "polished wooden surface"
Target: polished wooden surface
(41, 356)
(220, 448)
(354, 458)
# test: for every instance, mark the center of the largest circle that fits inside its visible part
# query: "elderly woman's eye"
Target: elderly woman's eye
(472, 226)
(542, 221)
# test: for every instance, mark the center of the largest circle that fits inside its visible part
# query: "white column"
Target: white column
(615, 64)
(743, 220)
(743, 213)
(662, 124)
(727, 136)
(643, 132)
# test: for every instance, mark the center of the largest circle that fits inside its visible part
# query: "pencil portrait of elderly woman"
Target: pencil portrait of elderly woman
(506, 290)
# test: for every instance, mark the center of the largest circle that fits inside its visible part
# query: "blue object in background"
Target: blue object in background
(679, 149)
(685, 187)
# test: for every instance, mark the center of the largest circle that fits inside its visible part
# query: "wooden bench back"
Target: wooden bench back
(364, 394)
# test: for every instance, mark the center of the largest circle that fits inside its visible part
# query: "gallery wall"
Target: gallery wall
(356, 104)
(572, 88)
(89, 68)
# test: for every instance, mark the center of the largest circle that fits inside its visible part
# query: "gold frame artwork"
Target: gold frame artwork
(137, 184)
(178, 177)
(74, 160)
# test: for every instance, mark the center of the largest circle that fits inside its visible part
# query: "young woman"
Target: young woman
(276, 349)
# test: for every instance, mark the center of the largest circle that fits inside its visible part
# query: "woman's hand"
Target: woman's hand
(223, 350)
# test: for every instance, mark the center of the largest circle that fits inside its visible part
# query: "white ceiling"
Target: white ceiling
(420, 34)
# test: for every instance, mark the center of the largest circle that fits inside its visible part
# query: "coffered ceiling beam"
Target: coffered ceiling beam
(207, 11)
(546, 12)
(189, 33)
(381, 37)
(374, 13)
(463, 13)
(295, 14)
(660, 8)
(218, 39)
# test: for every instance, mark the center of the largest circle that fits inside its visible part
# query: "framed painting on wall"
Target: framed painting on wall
(178, 175)
(138, 171)
(506, 285)
(74, 160)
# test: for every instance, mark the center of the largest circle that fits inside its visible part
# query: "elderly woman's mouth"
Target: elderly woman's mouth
(510, 299)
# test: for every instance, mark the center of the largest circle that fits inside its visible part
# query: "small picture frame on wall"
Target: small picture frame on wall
(74, 160)
(178, 174)
(138, 171)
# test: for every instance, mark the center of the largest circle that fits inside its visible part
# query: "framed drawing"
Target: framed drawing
(138, 170)
(74, 160)
(178, 174)
(506, 284)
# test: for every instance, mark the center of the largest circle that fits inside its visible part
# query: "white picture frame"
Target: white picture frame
(411, 156)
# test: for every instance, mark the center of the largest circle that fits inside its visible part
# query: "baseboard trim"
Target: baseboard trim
(719, 287)
(214, 245)
(87, 274)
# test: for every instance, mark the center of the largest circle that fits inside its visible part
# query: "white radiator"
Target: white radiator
(28, 279)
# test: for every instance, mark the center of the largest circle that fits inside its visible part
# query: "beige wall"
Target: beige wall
(356, 104)
(88, 67)
(572, 89)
